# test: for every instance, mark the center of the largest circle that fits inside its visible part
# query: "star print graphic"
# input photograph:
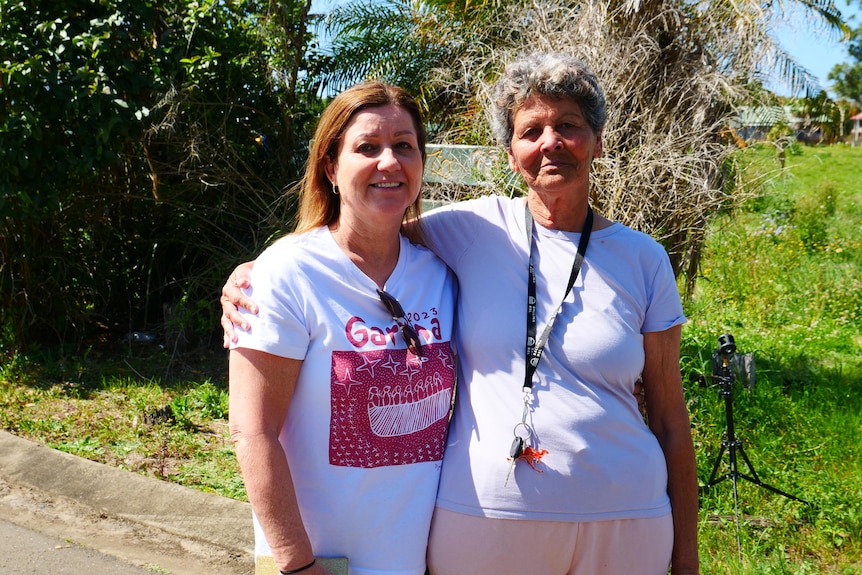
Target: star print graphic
(390, 364)
(347, 381)
(445, 358)
(368, 365)
(411, 368)
(390, 416)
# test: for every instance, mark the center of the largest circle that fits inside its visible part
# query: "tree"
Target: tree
(146, 146)
(822, 118)
(847, 77)
(76, 86)
(674, 70)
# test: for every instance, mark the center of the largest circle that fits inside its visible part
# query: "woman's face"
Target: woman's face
(552, 144)
(378, 169)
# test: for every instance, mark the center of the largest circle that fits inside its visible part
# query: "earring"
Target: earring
(335, 190)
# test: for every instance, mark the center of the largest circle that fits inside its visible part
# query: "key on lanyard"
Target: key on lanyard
(514, 453)
(519, 443)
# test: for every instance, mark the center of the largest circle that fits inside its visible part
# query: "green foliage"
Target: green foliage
(73, 93)
(782, 274)
(415, 45)
(111, 407)
(847, 77)
(821, 116)
(204, 399)
(149, 144)
(813, 215)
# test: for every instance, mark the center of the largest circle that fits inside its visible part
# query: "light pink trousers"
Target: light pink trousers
(466, 545)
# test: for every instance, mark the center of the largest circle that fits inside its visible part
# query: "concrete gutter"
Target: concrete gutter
(188, 513)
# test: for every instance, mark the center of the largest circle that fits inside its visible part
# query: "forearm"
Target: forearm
(682, 489)
(272, 496)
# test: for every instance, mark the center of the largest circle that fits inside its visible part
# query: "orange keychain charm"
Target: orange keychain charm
(532, 456)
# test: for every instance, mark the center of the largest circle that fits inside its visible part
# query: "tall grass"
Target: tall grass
(115, 406)
(783, 274)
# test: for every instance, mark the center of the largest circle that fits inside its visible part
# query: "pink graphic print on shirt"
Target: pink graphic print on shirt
(390, 407)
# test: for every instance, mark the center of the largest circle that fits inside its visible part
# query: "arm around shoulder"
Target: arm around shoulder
(232, 298)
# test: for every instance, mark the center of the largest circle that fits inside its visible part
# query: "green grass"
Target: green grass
(781, 273)
(116, 405)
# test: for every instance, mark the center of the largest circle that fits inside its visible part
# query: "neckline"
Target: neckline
(359, 275)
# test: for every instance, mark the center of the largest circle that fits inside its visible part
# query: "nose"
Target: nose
(388, 161)
(550, 139)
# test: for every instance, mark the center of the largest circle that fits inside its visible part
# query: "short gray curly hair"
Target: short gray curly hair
(551, 74)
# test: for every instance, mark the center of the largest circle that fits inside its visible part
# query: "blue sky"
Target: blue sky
(817, 51)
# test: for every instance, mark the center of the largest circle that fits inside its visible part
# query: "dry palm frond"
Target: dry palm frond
(671, 73)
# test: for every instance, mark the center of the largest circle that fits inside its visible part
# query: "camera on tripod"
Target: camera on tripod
(727, 364)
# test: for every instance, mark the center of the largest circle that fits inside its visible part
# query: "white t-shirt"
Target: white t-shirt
(602, 461)
(366, 428)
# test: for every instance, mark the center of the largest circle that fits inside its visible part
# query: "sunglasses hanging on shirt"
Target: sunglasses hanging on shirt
(411, 338)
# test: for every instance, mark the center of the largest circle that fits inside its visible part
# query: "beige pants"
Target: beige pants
(462, 544)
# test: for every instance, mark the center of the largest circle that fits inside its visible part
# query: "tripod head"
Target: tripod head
(728, 364)
(721, 359)
(726, 345)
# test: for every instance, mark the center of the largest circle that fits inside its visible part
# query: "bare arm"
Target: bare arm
(261, 389)
(668, 420)
(232, 299)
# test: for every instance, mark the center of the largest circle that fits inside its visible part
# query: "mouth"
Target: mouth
(388, 185)
(552, 165)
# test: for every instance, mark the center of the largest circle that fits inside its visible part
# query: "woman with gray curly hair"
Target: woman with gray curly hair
(554, 75)
(550, 468)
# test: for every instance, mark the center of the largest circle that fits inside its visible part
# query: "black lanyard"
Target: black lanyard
(535, 348)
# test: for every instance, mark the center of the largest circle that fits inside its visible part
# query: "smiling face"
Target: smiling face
(553, 146)
(378, 167)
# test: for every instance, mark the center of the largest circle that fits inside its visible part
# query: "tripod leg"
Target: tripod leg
(734, 476)
(756, 480)
(712, 481)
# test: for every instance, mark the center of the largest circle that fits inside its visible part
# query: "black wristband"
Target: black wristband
(309, 566)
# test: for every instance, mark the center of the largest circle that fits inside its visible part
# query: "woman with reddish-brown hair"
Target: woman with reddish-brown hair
(340, 391)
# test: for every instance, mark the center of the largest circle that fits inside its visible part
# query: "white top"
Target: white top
(603, 462)
(366, 428)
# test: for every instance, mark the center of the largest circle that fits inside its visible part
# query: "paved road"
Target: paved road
(29, 552)
(62, 514)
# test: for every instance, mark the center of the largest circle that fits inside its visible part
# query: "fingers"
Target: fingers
(230, 335)
(230, 309)
(246, 303)
(236, 281)
(230, 320)
(232, 299)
